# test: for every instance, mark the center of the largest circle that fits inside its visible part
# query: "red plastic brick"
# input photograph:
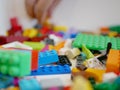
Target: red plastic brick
(3, 40)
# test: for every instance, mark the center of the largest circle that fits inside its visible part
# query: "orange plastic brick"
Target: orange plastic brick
(113, 61)
(59, 46)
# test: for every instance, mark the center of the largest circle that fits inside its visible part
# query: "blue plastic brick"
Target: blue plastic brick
(5, 81)
(96, 42)
(48, 57)
(15, 63)
(31, 84)
(53, 69)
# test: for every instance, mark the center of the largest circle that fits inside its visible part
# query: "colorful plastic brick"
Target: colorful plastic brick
(96, 42)
(48, 57)
(46, 48)
(59, 46)
(15, 63)
(112, 64)
(49, 41)
(87, 52)
(30, 33)
(30, 84)
(38, 39)
(35, 45)
(80, 83)
(109, 77)
(3, 40)
(72, 53)
(49, 84)
(115, 28)
(13, 88)
(16, 38)
(5, 81)
(34, 62)
(16, 44)
(52, 69)
(94, 63)
(59, 28)
(63, 59)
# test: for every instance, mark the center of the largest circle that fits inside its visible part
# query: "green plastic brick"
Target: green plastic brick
(15, 63)
(87, 52)
(115, 28)
(96, 42)
(35, 45)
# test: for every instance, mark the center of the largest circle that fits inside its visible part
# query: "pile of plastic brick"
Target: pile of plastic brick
(26, 56)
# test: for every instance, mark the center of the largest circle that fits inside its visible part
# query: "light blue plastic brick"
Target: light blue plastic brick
(15, 63)
(48, 57)
(52, 69)
(5, 81)
(31, 84)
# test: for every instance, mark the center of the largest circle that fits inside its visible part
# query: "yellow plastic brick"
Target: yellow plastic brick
(81, 83)
(60, 28)
(30, 33)
(13, 88)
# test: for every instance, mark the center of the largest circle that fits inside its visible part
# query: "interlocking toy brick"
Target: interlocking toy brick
(38, 39)
(30, 84)
(30, 33)
(34, 63)
(94, 63)
(48, 57)
(3, 40)
(17, 38)
(60, 28)
(113, 61)
(63, 51)
(59, 46)
(68, 43)
(49, 41)
(109, 77)
(5, 81)
(13, 88)
(72, 53)
(87, 52)
(48, 84)
(53, 69)
(115, 28)
(35, 45)
(80, 83)
(15, 63)
(63, 59)
(96, 42)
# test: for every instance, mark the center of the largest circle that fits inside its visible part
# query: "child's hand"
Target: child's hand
(40, 9)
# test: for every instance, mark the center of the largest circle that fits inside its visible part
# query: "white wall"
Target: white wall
(82, 14)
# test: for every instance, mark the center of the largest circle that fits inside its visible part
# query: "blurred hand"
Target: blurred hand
(40, 9)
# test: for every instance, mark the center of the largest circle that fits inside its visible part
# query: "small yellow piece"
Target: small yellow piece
(112, 34)
(30, 33)
(96, 73)
(60, 28)
(13, 88)
(81, 83)
(75, 70)
(51, 47)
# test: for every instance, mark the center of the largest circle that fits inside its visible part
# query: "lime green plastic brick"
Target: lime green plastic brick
(96, 42)
(115, 28)
(87, 52)
(15, 63)
(35, 45)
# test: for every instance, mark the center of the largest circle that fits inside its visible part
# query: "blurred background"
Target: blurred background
(85, 15)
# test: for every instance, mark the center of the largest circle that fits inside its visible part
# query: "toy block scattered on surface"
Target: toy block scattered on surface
(48, 70)
(5, 81)
(48, 57)
(31, 84)
(113, 61)
(60, 28)
(72, 53)
(15, 63)
(38, 39)
(3, 40)
(34, 62)
(17, 38)
(115, 28)
(13, 88)
(59, 46)
(49, 41)
(30, 33)
(87, 52)
(35, 45)
(63, 59)
(16, 44)
(49, 84)
(96, 42)
(80, 83)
